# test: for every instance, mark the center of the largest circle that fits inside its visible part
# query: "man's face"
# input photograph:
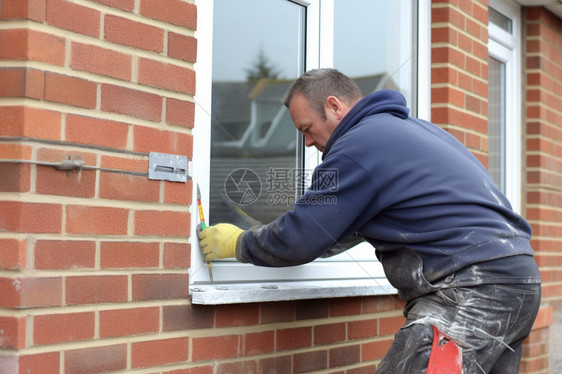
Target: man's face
(316, 131)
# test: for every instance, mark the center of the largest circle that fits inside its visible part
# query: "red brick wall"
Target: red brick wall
(543, 131)
(459, 71)
(89, 260)
(543, 124)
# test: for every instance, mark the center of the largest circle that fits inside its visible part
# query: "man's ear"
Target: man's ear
(335, 106)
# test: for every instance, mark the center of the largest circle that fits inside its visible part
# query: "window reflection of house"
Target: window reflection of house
(250, 119)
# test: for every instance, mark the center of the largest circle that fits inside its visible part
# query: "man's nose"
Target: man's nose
(308, 141)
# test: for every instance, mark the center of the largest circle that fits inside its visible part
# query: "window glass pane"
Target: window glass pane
(500, 20)
(258, 50)
(373, 44)
(496, 121)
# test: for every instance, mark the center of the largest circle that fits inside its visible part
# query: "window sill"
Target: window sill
(217, 294)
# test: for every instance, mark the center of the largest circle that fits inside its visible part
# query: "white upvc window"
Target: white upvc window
(249, 161)
(504, 98)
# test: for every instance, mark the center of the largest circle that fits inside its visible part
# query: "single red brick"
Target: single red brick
(97, 60)
(129, 255)
(134, 34)
(177, 193)
(362, 329)
(13, 82)
(175, 12)
(155, 140)
(310, 361)
(12, 253)
(180, 112)
(215, 347)
(278, 312)
(36, 292)
(237, 315)
(30, 217)
(15, 151)
(96, 359)
(312, 309)
(50, 181)
(12, 332)
(345, 306)
(160, 286)
(177, 255)
(18, 178)
(162, 223)
(332, 333)
(159, 352)
(96, 289)
(58, 328)
(24, 44)
(95, 131)
(73, 17)
(167, 76)
(23, 9)
(344, 356)
(128, 187)
(65, 254)
(183, 47)
(39, 363)
(130, 102)
(294, 338)
(14, 44)
(187, 317)
(82, 219)
(70, 90)
(126, 164)
(124, 322)
(259, 343)
(22, 121)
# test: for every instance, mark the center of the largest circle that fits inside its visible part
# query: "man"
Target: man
(447, 238)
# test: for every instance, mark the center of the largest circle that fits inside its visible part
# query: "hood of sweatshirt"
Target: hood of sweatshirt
(387, 101)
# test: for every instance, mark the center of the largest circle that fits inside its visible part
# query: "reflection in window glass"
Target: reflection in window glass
(257, 53)
(498, 19)
(373, 44)
(496, 121)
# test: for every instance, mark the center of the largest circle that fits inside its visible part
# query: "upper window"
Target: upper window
(250, 162)
(504, 98)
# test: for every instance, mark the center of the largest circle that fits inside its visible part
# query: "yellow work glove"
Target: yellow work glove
(219, 241)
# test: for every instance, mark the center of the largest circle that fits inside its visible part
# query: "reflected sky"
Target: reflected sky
(242, 27)
(361, 41)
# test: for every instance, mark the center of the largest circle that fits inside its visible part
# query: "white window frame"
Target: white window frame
(313, 279)
(506, 47)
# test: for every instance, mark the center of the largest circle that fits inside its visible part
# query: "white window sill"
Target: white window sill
(217, 294)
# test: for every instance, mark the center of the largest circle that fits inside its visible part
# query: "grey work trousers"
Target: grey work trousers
(488, 322)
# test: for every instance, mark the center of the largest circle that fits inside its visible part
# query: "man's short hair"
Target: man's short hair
(316, 85)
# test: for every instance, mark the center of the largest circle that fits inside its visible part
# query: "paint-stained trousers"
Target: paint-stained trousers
(488, 322)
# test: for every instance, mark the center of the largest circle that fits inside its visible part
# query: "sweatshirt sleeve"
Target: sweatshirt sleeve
(325, 217)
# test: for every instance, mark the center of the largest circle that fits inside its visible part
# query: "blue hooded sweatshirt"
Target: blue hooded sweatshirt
(406, 186)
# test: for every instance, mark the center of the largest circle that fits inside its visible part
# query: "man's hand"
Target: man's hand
(219, 241)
